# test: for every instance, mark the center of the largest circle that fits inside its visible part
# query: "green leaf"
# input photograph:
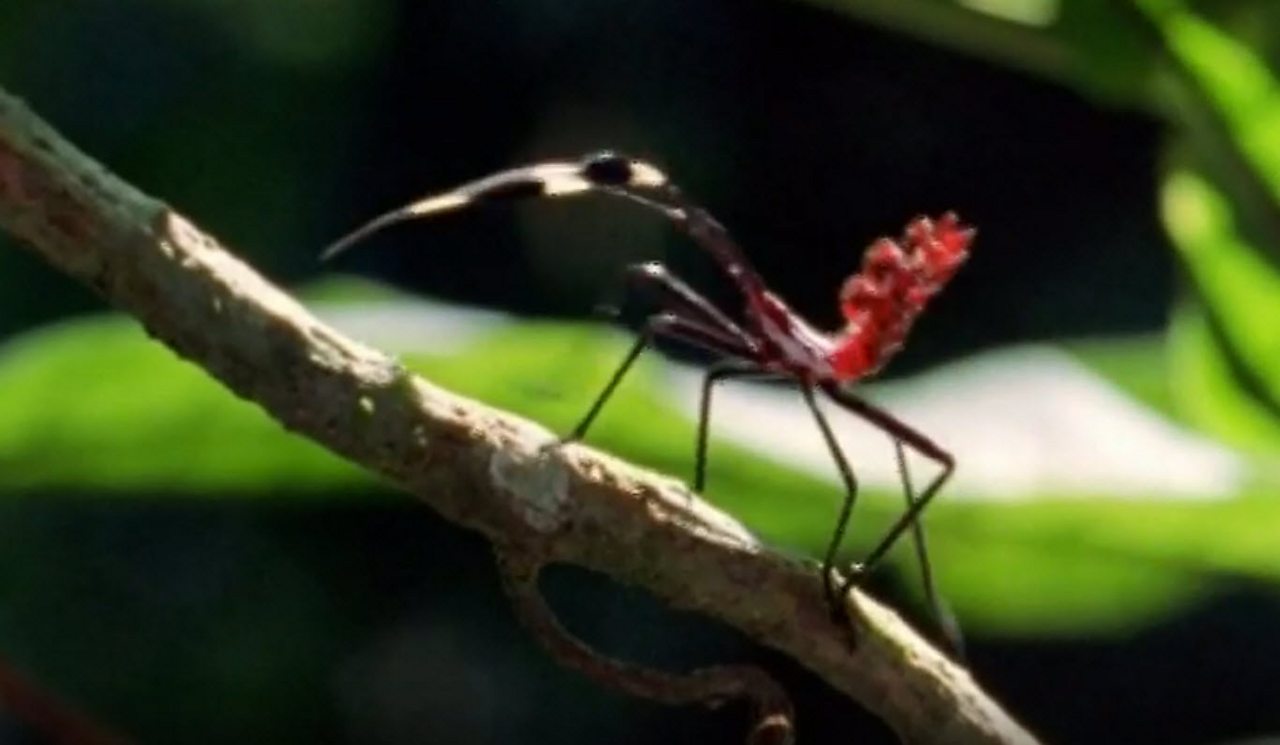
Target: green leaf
(95, 403)
(94, 406)
(1227, 348)
(1089, 45)
(1233, 77)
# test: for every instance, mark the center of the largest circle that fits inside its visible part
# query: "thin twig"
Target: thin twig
(712, 686)
(483, 469)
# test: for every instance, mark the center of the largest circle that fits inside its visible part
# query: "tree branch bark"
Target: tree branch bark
(481, 468)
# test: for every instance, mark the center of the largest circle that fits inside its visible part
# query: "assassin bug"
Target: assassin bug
(879, 304)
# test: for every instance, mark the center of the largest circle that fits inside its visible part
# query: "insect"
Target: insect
(879, 303)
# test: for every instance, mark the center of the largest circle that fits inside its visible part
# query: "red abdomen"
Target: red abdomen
(895, 283)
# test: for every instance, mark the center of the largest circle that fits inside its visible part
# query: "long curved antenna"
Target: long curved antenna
(544, 179)
(607, 172)
(553, 179)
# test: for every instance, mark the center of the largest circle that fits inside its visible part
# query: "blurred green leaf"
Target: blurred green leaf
(1227, 350)
(1227, 102)
(1234, 79)
(94, 406)
(1219, 204)
(95, 403)
(1106, 59)
(1086, 44)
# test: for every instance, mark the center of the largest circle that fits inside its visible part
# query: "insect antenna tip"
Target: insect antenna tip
(369, 228)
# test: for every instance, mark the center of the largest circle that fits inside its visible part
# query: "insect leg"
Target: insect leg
(673, 294)
(722, 370)
(834, 598)
(669, 325)
(937, 607)
(904, 435)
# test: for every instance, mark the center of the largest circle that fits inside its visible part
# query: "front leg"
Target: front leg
(720, 371)
(671, 326)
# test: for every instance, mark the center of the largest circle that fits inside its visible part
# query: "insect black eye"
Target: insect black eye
(607, 168)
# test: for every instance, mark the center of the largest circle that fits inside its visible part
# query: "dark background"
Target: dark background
(281, 126)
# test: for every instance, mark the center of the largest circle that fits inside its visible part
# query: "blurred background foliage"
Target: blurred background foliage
(175, 562)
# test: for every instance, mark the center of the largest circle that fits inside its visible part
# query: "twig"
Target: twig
(478, 467)
(774, 717)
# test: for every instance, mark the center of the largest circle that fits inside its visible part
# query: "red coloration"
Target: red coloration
(897, 279)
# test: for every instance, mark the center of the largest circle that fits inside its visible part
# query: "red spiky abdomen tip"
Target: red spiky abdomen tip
(896, 280)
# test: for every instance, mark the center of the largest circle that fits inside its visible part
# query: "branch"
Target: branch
(483, 469)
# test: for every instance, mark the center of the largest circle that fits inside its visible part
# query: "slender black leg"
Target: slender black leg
(902, 434)
(908, 518)
(663, 324)
(644, 340)
(678, 298)
(937, 608)
(917, 530)
(720, 334)
(723, 370)
(834, 598)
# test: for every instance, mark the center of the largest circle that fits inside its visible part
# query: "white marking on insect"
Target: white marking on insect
(439, 203)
